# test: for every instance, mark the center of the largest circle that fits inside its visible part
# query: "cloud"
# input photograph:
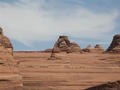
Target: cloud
(27, 21)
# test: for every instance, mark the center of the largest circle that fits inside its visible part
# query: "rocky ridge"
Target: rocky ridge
(115, 45)
(10, 78)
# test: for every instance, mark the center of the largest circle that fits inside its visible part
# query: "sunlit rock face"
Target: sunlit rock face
(115, 45)
(10, 78)
(5, 43)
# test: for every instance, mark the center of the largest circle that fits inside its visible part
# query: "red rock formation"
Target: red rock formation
(63, 45)
(74, 47)
(115, 45)
(108, 86)
(5, 42)
(97, 49)
(10, 78)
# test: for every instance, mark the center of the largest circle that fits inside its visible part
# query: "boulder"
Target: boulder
(115, 45)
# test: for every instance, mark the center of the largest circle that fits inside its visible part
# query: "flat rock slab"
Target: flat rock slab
(74, 71)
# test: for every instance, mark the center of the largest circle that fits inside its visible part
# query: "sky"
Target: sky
(36, 24)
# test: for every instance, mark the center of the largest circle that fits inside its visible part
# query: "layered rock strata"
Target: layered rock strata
(10, 78)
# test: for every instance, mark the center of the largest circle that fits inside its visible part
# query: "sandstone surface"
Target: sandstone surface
(115, 45)
(10, 78)
(74, 71)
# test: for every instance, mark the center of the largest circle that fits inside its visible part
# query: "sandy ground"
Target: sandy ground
(74, 71)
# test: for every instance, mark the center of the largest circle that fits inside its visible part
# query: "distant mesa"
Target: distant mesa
(97, 49)
(5, 43)
(107, 86)
(115, 45)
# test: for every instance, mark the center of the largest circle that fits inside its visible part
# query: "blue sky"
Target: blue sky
(36, 24)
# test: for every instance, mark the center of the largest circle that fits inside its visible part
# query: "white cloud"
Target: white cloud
(27, 21)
